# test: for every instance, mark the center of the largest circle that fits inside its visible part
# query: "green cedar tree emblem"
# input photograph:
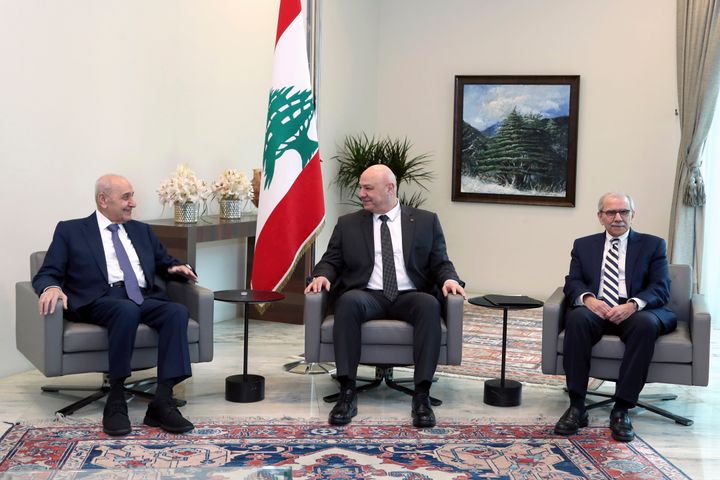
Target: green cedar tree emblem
(289, 115)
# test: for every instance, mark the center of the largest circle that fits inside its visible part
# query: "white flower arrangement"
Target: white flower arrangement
(183, 187)
(232, 185)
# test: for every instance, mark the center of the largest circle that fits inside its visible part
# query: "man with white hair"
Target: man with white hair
(102, 269)
(618, 284)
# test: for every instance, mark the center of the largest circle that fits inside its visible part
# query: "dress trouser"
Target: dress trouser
(355, 307)
(121, 316)
(583, 329)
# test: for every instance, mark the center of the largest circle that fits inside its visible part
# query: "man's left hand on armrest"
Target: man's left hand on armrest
(451, 286)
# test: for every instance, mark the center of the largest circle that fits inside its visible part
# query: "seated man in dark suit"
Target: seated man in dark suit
(103, 269)
(386, 260)
(618, 284)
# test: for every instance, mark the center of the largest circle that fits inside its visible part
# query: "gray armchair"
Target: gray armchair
(59, 347)
(386, 343)
(681, 357)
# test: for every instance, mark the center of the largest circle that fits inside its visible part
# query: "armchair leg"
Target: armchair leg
(132, 389)
(383, 374)
(643, 403)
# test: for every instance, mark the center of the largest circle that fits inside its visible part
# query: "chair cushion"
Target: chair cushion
(86, 337)
(379, 332)
(675, 347)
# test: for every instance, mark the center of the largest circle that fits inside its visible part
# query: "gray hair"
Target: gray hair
(105, 184)
(627, 197)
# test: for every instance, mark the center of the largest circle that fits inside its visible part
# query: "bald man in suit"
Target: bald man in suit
(618, 284)
(84, 271)
(420, 275)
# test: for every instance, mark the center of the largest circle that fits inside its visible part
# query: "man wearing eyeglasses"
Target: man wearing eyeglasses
(618, 284)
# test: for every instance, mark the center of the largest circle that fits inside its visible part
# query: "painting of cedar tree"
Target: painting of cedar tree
(515, 139)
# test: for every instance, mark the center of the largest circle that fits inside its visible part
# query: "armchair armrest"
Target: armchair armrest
(38, 337)
(699, 325)
(313, 315)
(454, 305)
(553, 324)
(200, 302)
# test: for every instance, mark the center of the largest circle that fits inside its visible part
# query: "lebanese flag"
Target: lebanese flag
(292, 207)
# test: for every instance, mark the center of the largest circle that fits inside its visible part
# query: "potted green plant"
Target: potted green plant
(360, 152)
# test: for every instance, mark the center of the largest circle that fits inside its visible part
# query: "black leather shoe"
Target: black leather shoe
(115, 417)
(345, 408)
(621, 427)
(571, 421)
(422, 412)
(164, 414)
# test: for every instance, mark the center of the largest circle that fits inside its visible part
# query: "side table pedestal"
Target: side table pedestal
(502, 392)
(499, 395)
(244, 388)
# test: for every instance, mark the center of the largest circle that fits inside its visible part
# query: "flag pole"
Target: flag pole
(313, 43)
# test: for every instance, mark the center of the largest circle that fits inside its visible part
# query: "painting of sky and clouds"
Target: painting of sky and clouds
(488, 105)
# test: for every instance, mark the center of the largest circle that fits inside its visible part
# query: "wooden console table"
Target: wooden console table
(181, 241)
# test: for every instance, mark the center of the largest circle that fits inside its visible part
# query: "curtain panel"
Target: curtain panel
(698, 70)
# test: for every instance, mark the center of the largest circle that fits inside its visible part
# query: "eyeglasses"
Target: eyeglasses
(612, 213)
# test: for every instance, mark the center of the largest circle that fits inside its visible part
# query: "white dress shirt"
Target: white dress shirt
(622, 287)
(395, 226)
(115, 273)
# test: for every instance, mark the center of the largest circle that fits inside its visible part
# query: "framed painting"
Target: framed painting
(515, 139)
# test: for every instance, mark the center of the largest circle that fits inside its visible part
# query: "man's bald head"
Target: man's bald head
(378, 189)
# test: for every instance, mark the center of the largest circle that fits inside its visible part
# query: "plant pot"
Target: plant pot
(231, 208)
(186, 212)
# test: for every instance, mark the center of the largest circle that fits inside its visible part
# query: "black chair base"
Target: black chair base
(383, 373)
(643, 403)
(139, 389)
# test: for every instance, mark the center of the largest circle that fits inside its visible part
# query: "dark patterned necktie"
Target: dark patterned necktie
(131, 282)
(390, 288)
(611, 274)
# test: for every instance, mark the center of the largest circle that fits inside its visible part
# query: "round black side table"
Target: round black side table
(245, 387)
(500, 392)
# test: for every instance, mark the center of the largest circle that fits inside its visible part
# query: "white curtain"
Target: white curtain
(710, 281)
(698, 70)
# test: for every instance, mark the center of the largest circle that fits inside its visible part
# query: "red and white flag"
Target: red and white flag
(292, 206)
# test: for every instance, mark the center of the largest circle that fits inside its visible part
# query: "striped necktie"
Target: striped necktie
(390, 287)
(611, 274)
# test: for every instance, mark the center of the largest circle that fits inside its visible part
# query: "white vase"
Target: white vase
(186, 212)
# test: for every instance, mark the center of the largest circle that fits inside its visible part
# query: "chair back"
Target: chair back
(680, 290)
(36, 261)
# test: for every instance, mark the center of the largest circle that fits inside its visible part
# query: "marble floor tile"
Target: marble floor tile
(694, 449)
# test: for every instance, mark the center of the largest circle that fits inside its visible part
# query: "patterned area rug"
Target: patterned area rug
(313, 450)
(482, 346)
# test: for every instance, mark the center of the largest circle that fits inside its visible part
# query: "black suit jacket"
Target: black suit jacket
(646, 272)
(75, 260)
(349, 259)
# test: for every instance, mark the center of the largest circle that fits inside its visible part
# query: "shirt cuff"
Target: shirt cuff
(640, 303)
(579, 300)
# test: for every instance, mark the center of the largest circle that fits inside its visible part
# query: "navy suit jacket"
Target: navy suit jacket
(646, 272)
(75, 260)
(350, 257)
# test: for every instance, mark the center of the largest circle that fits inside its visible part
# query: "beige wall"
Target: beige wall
(137, 87)
(628, 132)
(128, 86)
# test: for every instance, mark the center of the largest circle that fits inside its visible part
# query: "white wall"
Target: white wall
(137, 87)
(128, 86)
(347, 90)
(628, 133)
